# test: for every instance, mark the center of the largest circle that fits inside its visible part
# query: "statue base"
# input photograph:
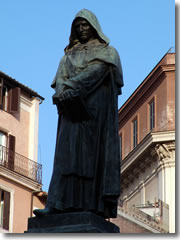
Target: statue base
(80, 222)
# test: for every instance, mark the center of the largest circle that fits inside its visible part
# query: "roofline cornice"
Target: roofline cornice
(153, 137)
(143, 88)
(22, 86)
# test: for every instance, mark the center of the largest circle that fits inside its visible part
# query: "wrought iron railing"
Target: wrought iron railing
(20, 164)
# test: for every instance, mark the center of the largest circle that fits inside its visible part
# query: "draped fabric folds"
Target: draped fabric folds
(86, 173)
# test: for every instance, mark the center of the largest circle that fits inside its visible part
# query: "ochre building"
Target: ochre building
(20, 173)
(147, 149)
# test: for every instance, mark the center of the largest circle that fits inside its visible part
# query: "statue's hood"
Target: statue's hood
(91, 18)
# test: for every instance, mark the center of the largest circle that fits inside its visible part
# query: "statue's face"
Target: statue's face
(84, 30)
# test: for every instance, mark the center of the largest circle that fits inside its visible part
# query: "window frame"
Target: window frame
(135, 129)
(120, 145)
(5, 209)
(3, 145)
(11, 208)
(9, 97)
(152, 113)
(4, 135)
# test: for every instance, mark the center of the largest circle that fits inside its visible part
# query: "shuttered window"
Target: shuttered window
(9, 98)
(3, 141)
(14, 100)
(4, 209)
(3, 96)
(11, 153)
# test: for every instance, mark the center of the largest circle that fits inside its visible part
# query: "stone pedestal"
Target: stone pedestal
(83, 222)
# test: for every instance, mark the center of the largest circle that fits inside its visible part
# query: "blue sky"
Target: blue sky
(35, 33)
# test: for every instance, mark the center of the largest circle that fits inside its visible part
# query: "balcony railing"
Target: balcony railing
(20, 164)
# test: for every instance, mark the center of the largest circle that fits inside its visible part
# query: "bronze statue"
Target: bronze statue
(86, 173)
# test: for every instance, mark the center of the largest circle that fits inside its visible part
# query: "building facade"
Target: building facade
(147, 149)
(20, 173)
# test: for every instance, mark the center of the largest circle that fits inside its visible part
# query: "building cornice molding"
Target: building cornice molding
(161, 166)
(149, 82)
(139, 92)
(26, 104)
(136, 221)
(19, 179)
(156, 150)
(26, 101)
(168, 68)
(13, 82)
(153, 137)
(143, 183)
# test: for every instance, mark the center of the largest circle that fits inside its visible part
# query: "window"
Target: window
(135, 133)
(4, 209)
(4, 98)
(9, 98)
(11, 152)
(152, 114)
(3, 139)
(120, 143)
(7, 155)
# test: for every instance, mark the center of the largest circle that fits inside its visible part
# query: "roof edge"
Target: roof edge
(135, 92)
(22, 86)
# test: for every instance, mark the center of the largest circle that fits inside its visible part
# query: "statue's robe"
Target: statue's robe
(86, 173)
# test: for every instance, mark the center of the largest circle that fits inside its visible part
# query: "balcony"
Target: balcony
(20, 164)
(154, 215)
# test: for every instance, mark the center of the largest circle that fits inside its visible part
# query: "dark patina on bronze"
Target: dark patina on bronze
(86, 173)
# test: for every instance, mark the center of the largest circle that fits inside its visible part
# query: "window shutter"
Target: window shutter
(14, 100)
(6, 210)
(0, 195)
(1, 93)
(11, 153)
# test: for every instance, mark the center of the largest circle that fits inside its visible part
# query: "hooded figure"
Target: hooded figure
(86, 172)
